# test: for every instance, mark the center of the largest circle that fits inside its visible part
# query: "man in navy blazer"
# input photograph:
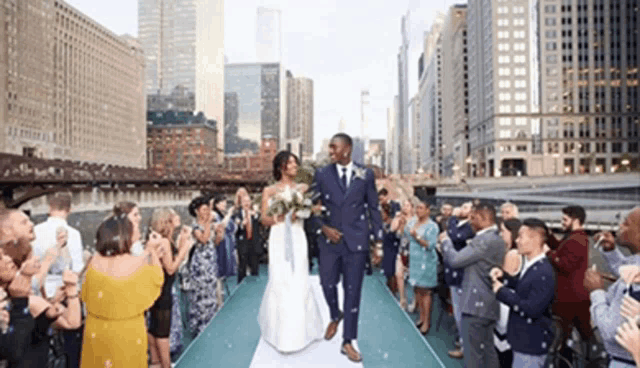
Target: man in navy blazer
(529, 296)
(351, 218)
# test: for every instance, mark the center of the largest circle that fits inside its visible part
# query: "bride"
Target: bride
(289, 316)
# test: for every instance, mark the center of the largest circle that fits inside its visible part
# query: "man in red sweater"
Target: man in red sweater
(570, 259)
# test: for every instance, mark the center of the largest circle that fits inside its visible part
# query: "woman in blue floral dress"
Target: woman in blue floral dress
(202, 269)
(422, 233)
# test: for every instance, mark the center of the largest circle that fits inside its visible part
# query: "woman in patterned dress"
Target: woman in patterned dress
(422, 233)
(226, 249)
(203, 269)
(402, 262)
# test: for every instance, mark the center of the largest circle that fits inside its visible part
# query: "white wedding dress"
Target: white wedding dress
(289, 316)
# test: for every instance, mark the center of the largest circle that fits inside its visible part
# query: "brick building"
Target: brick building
(181, 142)
(249, 161)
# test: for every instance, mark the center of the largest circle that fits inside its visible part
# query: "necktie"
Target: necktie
(344, 177)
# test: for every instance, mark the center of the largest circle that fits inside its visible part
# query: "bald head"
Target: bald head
(629, 234)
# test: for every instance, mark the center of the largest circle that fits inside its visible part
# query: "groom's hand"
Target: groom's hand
(331, 233)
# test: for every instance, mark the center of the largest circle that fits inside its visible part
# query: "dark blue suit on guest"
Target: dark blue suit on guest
(529, 330)
(459, 235)
(390, 243)
(354, 212)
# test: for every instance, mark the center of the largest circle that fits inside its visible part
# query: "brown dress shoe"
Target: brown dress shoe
(333, 328)
(351, 353)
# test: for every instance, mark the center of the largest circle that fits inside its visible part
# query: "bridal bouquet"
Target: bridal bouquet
(290, 200)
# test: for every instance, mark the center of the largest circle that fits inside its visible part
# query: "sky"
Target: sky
(344, 46)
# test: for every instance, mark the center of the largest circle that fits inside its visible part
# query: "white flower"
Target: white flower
(303, 214)
(360, 173)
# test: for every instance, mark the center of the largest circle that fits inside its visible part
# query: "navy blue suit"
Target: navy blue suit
(459, 235)
(354, 212)
(529, 298)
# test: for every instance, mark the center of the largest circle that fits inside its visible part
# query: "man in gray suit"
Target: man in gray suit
(480, 309)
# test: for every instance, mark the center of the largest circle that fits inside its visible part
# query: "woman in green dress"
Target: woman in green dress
(422, 233)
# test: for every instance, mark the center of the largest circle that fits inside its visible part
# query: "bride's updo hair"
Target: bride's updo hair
(280, 162)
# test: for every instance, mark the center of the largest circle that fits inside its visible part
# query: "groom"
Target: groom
(348, 192)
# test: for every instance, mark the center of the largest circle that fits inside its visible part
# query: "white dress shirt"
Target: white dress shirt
(46, 238)
(528, 263)
(349, 172)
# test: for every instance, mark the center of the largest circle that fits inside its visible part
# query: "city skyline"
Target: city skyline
(311, 36)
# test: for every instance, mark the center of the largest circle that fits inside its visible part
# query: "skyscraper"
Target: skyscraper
(183, 43)
(300, 112)
(365, 115)
(269, 36)
(402, 123)
(590, 81)
(71, 89)
(254, 93)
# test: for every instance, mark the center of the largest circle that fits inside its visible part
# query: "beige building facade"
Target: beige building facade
(300, 112)
(72, 89)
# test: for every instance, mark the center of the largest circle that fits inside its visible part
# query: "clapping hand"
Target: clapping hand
(495, 274)
(630, 307)
(628, 336)
(55, 311)
(30, 267)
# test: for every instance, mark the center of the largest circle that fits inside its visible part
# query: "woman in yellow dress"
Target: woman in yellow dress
(117, 290)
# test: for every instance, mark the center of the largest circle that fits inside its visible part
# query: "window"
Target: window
(551, 34)
(504, 59)
(552, 59)
(504, 84)
(521, 108)
(518, 9)
(504, 97)
(520, 96)
(616, 147)
(503, 10)
(519, 59)
(550, 46)
(503, 34)
(520, 71)
(521, 121)
(633, 147)
(549, 21)
(521, 83)
(521, 148)
(518, 46)
(503, 22)
(550, 9)
(505, 109)
(518, 22)
(503, 47)
(504, 72)
(504, 121)
(518, 34)
(505, 134)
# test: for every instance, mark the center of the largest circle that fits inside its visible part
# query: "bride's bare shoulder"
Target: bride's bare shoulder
(269, 190)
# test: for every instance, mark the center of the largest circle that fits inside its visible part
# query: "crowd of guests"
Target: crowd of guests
(515, 283)
(118, 303)
(509, 281)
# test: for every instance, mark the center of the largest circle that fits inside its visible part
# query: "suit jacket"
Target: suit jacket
(459, 234)
(242, 243)
(485, 251)
(529, 298)
(570, 259)
(353, 211)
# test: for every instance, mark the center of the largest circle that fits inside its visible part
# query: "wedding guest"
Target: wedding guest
(390, 245)
(162, 223)
(57, 257)
(118, 288)
(480, 309)
(606, 305)
(246, 236)
(443, 218)
(176, 333)
(512, 265)
(570, 259)
(422, 233)
(460, 232)
(132, 212)
(203, 269)
(226, 245)
(529, 296)
(628, 336)
(384, 198)
(402, 263)
(508, 211)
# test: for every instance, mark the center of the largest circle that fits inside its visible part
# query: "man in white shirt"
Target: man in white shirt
(45, 241)
(46, 235)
